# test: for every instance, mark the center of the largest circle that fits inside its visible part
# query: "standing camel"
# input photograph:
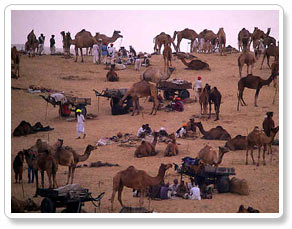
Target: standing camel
(272, 50)
(222, 40)
(167, 56)
(136, 179)
(105, 39)
(66, 43)
(67, 156)
(139, 90)
(186, 34)
(162, 39)
(214, 97)
(252, 82)
(209, 37)
(32, 44)
(243, 38)
(246, 58)
(83, 39)
(275, 73)
(259, 138)
(204, 99)
(15, 57)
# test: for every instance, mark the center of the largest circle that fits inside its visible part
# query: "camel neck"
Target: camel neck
(200, 126)
(268, 81)
(154, 140)
(184, 61)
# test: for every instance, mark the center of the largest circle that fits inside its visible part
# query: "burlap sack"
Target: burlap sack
(239, 186)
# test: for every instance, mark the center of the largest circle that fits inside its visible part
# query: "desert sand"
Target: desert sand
(48, 71)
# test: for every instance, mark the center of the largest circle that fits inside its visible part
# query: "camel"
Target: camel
(252, 82)
(136, 179)
(32, 43)
(146, 148)
(83, 39)
(171, 148)
(162, 39)
(105, 39)
(246, 58)
(139, 90)
(204, 99)
(244, 38)
(237, 143)
(259, 138)
(15, 57)
(195, 64)
(222, 40)
(272, 50)
(269, 41)
(154, 75)
(209, 156)
(215, 98)
(43, 161)
(209, 37)
(217, 133)
(167, 56)
(66, 42)
(186, 34)
(275, 73)
(111, 75)
(258, 34)
(67, 156)
(20, 206)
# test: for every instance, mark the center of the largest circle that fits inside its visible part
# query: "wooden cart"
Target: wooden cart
(175, 87)
(71, 197)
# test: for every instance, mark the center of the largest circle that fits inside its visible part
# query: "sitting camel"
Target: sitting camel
(237, 143)
(154, 75)
(20, 206)
(217, 133)
(195, 64)
(252, 82)
(136, 179)
(246, 58)
(147, 149)
(171, 148)
(140, 90)
(209, 156)
(258, 138)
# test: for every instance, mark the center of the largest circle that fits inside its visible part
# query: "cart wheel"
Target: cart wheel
(183, 94)
(168, 93)
(83, 111)
(223, 184)
(48, 206)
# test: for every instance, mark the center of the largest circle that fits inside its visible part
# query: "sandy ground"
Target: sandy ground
(47, 71)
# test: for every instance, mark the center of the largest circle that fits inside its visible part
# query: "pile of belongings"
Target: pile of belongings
(25, 128)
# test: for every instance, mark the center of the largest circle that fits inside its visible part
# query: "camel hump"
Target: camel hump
(238, 136)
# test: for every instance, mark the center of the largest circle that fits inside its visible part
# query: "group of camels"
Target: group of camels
(189, 34)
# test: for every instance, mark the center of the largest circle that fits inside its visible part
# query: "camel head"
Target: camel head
(165, 166)
(207, 67)
(116, 32)
(30, 205)
(223, 150)
(89, 148)
(63, 33)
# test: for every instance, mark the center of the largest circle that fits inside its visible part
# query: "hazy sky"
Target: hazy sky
(139, 27)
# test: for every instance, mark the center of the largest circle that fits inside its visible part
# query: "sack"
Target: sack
(239, 186)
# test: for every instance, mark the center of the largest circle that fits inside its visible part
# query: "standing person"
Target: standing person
(268, 123)
(198, 88)
(95, 49)
(104, 52)
(52, 45)
(80, 124)
(111, 53)
(195, 45)
(132, 50)
(41, 43)
(99, 43)
(138, 63)
(202, 43)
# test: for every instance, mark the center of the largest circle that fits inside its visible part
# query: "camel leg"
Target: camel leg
(49, 174)
(81, 55)
(270, 149)
(251, 68)
(209, 110)
(135, 105)
(268, 60)
(35, 171)
(138, 106)
(112, 199)
(263, 61)
(247, 68)
(246, 157)
(259, 155)
(141, 201)
(72, 175)
(192, 43)
(76, 54)
(178, 44)
(43, 178)
(240, 70)
(264, 159)
(120, 195)
(251, 154)
(69, 174)
(256, 96)
(276, 90)
(217, 111)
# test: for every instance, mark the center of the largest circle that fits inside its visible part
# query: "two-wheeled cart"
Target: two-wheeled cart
(175, 87)
(71, 197)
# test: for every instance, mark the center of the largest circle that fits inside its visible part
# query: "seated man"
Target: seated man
(173, 187)
(182, 131)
